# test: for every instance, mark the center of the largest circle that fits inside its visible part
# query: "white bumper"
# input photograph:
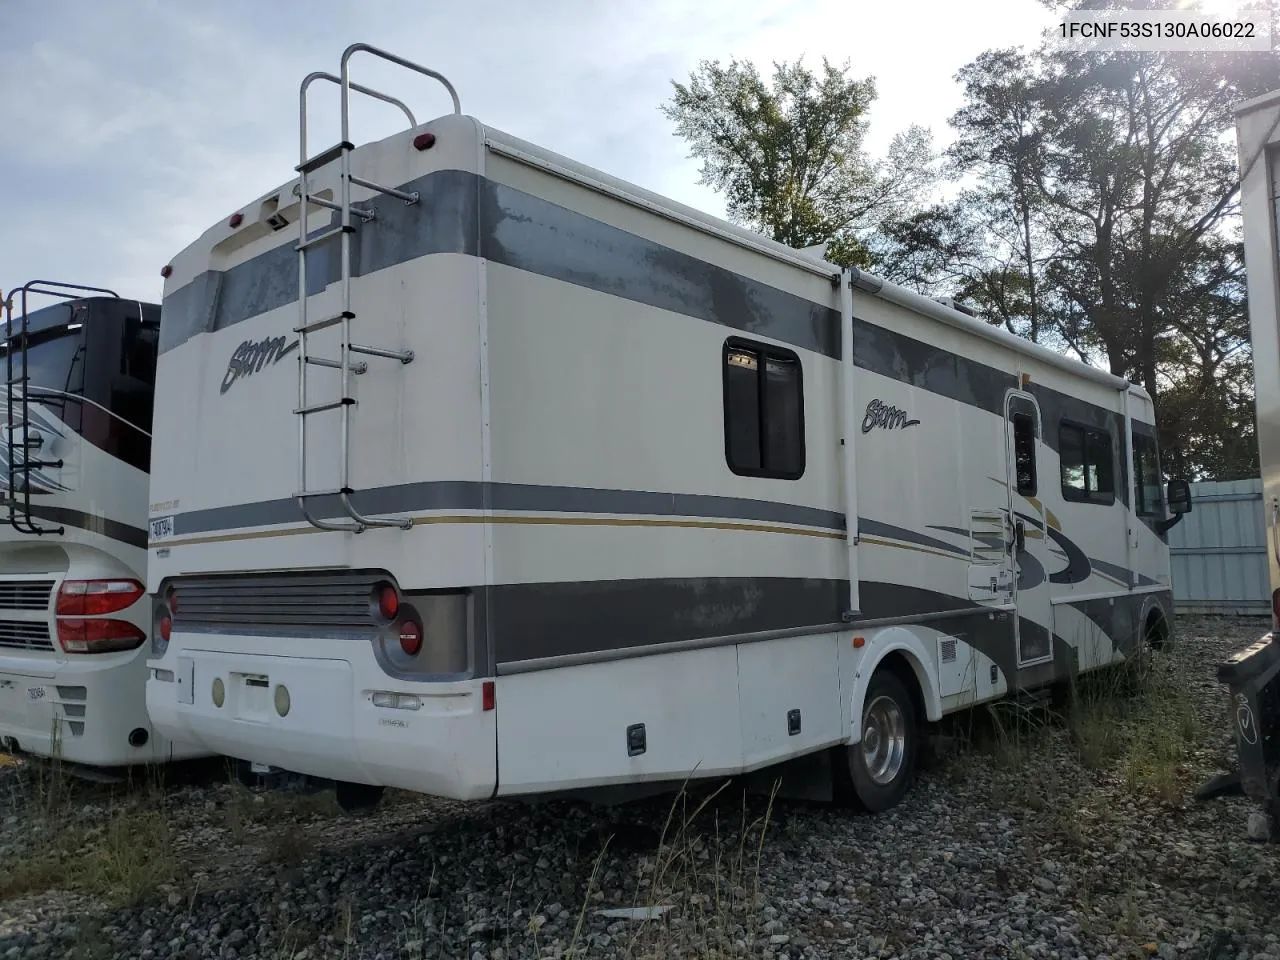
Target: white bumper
(331, 729)
(81, 711)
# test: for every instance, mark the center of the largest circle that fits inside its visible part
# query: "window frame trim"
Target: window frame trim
(1072, 494)
(764, 351)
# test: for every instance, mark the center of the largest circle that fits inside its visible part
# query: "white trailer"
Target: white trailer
(1258, 139)
(553, 489)
(76, 443)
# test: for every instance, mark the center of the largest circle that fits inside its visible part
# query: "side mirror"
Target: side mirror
(1178, 496)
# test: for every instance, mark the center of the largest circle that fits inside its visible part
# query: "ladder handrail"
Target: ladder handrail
(49, 288)
(359, 88)
(391, 58)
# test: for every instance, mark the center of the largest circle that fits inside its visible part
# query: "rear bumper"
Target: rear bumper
(81, 711)
(330, 726)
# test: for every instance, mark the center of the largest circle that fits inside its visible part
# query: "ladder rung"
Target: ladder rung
(36, 464)
(327, 204)
(326, 322)
(328, 156)
(404, 356)
(361, 212)
(359, 367)
(321, 407)
(389, 191)
(320, 493)
(326, 235)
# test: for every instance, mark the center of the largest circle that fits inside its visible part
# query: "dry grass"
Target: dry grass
(122, 853)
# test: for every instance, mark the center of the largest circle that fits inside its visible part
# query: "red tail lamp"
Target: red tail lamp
(487, 696)
(410, 638)
(388, 602)
(92, 598)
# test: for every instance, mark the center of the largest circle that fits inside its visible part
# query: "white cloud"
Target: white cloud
(135, 124)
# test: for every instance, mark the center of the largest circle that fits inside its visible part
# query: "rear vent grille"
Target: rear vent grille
(25, 594)
(947, 649)
(324, 600)
(25, 635)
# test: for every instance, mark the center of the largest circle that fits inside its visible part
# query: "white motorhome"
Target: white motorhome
(1258, 139)
(562, 485)
(76, 443)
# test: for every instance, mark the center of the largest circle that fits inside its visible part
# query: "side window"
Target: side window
(1146, 476)
(1024, 453)
(763, 410)
(1087, 466)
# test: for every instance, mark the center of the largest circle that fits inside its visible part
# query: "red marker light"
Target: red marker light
(165, 271)
(410, 638)
(236, 219)
(424, 141)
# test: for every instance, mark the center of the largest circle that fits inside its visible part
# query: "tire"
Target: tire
(353, 797)
(882, 766)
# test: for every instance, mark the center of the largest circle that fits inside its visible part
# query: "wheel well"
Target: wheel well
(900, 666)
(1155, 629)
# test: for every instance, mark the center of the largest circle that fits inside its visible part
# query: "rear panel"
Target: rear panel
(226, 434)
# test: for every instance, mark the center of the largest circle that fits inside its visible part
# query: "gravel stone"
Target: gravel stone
(1034, 850)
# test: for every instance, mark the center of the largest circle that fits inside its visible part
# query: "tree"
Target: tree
(789, 157)
(1106, 194)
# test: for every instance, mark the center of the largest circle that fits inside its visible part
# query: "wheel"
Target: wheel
(882, 765)
(352, 797)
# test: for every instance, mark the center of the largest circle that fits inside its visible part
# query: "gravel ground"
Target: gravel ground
(1072, 839)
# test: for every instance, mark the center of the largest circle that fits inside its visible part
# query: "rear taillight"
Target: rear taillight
(97, 635)
(388, 602)
(93, 598)
(410, 638)
(162, 622)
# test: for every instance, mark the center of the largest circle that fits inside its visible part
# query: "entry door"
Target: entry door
(1029, 542)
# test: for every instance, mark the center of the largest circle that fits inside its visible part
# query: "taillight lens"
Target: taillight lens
(388, 602)
(96, 635)
(93, 598)
(410, 638)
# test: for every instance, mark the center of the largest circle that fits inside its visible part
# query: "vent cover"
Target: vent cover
(947, 649)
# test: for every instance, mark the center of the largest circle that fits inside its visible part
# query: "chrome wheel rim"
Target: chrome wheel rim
(884, 740)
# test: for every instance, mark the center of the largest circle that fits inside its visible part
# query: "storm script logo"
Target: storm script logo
(252, 355)
(885, 415)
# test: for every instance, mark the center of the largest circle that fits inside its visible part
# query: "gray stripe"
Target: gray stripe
(470, 495)
(103, 526)
(874, 528)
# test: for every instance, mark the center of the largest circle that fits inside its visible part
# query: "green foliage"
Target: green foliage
(788, 156)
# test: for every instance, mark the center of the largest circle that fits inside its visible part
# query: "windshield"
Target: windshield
(55, 350)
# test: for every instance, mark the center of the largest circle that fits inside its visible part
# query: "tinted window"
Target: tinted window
(1024, 453)
(1146, 474)
(763, 410)
(1087, 466)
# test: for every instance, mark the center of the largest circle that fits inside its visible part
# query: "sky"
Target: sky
(131, 126)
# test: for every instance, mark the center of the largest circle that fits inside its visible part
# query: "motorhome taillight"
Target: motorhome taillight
(93, 598)
(96, 635)
(388, 602)
(165, 627)
(410, 638)
(487, 696)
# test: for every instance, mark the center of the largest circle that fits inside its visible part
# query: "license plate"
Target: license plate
(161, 528)
(260, 767)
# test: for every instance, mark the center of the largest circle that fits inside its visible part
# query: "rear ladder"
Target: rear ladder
(355, 522)
(18, 459)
